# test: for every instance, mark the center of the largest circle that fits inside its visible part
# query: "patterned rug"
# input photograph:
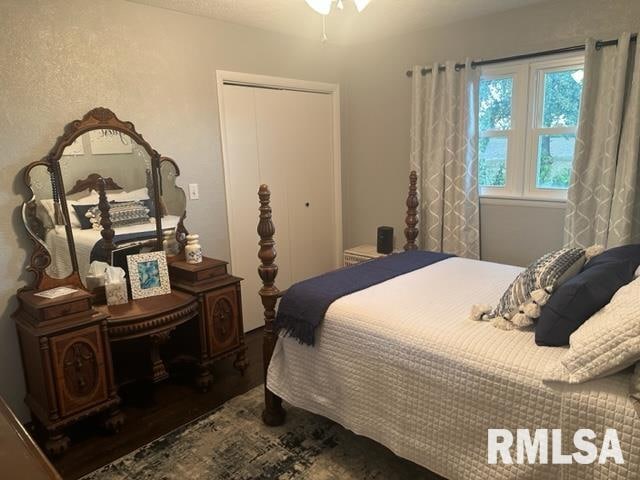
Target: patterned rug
(233, 443)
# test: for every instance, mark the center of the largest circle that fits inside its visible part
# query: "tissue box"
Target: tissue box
(116, 293)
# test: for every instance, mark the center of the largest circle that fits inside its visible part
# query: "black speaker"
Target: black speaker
(385, 240)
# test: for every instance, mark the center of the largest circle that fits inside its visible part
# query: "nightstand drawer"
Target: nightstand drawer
(223, 318)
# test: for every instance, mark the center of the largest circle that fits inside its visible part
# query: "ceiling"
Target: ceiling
(382, 18)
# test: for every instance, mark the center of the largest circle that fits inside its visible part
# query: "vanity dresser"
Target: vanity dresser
(103, 193)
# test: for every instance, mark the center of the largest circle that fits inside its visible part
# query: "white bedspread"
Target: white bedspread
(401, 363)
(85, 240)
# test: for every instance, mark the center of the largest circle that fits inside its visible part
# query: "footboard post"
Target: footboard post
(273, 413)
(411, 220)
(105, 218)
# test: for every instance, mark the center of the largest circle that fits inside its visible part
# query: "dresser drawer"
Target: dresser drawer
(70, 308)
(210, 273)
(222, 314)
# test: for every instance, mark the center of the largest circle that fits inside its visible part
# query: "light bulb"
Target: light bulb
(323, 7)
(361, 4)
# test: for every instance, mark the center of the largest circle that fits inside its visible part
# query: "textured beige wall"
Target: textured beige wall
(154, 67)
(376, 115)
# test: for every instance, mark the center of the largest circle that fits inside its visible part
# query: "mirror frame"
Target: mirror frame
(96, 119)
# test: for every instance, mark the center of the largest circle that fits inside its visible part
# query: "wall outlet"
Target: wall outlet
(194, 193)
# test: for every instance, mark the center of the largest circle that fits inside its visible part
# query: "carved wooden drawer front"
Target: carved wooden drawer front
(221, 308)
(56, 311)
(78, 363)
(210, 273)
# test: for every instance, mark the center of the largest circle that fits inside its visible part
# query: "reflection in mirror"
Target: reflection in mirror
(43, 217)
(97, 196)
(173, 197)
(126, 168)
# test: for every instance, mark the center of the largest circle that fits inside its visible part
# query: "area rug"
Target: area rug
(233, 443)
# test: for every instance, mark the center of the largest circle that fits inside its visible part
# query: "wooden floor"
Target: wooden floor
(152, 411)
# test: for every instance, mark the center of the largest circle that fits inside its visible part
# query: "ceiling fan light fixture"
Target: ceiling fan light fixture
(323, 7)
(361, 4)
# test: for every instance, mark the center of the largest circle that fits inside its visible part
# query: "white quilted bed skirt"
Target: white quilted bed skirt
(401, 363)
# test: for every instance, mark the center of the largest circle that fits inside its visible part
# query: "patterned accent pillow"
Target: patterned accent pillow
(121, 214)
(520, 304)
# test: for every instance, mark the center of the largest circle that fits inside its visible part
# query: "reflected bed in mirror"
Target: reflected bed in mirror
(101, 188)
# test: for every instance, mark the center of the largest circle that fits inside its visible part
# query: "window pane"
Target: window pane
(492, 161)
(555, 154)
(495, 104)
(561, 104)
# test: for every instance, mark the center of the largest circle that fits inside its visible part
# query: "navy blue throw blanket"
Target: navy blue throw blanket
(304, 305)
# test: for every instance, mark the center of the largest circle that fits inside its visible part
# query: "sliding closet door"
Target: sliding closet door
(282, 138)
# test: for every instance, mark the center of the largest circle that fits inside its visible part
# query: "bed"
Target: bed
(401, 363)
(96, 241)
(86, 240)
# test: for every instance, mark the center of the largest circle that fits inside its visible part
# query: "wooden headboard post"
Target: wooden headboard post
(273, 414)
(411, 220)
(105, 218)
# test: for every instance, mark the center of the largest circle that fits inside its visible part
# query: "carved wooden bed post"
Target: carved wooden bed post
(105, 218)
(273, 413)
(411, 220)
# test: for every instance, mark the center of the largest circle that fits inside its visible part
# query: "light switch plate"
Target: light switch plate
(194, 193)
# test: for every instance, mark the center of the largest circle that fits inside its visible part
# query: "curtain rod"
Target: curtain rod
(575, 48)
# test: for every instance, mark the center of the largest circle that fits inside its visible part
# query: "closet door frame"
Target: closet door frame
(265, 81)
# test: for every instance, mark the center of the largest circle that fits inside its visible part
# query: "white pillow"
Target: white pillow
(92, 199)
(49, 210)
(132, 196)
(49, 207)
(606, 343)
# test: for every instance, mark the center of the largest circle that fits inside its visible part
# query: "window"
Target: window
(528, 115)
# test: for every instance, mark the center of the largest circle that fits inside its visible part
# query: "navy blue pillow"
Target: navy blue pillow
(628, 253)
(81, 211)
(583, 295)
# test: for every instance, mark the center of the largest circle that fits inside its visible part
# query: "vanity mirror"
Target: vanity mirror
(103, 193)
(101, 188)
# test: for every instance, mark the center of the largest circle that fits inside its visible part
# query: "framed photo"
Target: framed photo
(148, 274)
(106, 141)
(76, 148)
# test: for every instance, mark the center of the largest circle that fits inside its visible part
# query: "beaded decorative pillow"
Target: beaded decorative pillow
(121, 214)
(520, 304)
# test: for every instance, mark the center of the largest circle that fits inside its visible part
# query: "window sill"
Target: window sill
(523, 202)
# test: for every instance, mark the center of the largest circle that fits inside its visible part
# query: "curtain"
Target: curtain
(444, 139)
(603, 201)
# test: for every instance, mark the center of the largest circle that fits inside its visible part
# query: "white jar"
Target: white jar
(193, 250)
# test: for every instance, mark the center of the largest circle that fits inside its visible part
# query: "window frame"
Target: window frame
(527, 101)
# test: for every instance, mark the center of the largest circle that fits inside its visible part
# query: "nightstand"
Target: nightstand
(220, 328)
(67, 361)
(361, 253)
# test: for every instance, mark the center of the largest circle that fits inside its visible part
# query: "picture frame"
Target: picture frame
(107, 141)
(76, 148)
(148, 274)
